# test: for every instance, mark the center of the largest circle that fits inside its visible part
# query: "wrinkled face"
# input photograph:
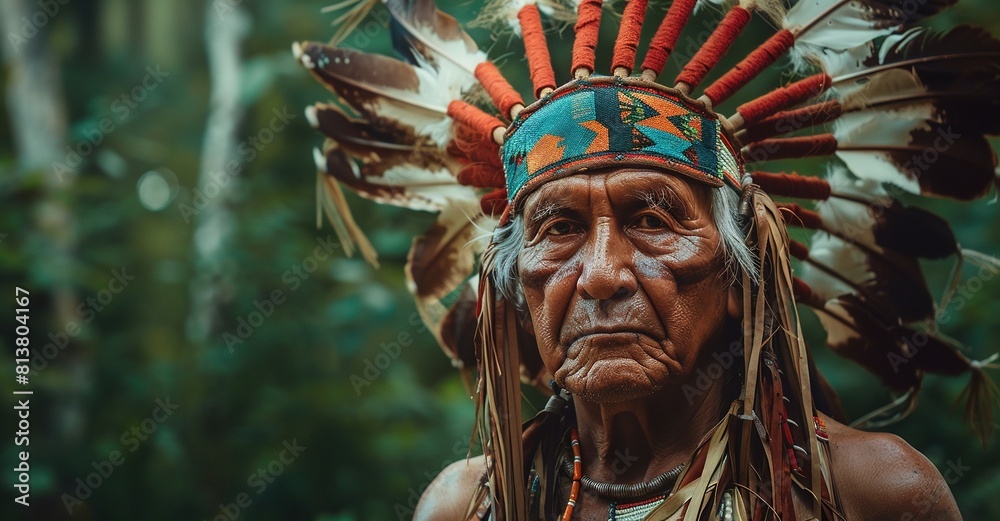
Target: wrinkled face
(623, 277)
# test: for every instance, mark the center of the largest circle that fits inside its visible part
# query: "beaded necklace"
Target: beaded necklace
(623, 492)
(634, 511)
(633, 507)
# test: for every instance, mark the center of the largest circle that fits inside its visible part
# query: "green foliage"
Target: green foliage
(321, 369)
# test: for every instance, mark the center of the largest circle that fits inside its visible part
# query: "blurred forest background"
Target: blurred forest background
(199, 354)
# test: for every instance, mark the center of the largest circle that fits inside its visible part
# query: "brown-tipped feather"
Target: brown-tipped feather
(900, 356)
(420, 28)
(439, 264)
(843, 24)
(856, 333)
(391, 177)
(940, 59)
(863, 212)
(970, 102)
(385, 134)
(458, 328)
(374, 84)
(917, 154)
(893, 284)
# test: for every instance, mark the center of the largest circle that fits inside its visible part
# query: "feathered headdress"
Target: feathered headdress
(903, 109)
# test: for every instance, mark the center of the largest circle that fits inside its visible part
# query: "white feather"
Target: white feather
(427, 190)
(878, 166)
(837, 333)
(843, 62)
(503, 13)
(449, 79)
(440, 133)
(881, 128)
(896, 41)
(843, 258)
(459, 51)
(836, 24)
(709, 4)
(446, 83)
(849, 218)
(834, 34)
(833, 62)
(437, 88)
(510, 10)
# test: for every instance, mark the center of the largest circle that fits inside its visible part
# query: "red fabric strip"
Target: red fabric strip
(537, 49)
(803, 293)
(761, 58)
(792, 120)
(470, 116)
(503, 95)
(588, 22)
(784, 97)
(798, 250)
(716, 46)
(471, 146)
(793, 147)
(481, 176)
(628, 35)
(495, 202)
(795, 215)
(791, 185)
(667, 35)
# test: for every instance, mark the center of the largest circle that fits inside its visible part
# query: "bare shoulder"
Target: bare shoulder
(880, 476)
(448, 496)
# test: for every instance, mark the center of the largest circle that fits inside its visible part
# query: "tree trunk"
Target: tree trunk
(211, 289)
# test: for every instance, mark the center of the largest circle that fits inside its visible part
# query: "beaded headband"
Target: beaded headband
(600, 122)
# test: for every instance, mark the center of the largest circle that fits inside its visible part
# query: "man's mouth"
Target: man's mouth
(613, 334)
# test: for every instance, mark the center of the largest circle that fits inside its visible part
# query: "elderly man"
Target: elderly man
(630, 268)
(639, 266)
(627, 279)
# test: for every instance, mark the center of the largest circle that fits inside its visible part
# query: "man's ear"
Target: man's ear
(734, 302)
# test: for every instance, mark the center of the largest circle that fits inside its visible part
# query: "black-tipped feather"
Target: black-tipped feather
(963, 56)
(916, 153)
(422, 33)
(914, 232)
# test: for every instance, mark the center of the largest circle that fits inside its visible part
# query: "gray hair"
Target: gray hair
(725, 212)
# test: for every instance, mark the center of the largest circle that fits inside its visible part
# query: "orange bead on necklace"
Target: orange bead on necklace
(574, 491)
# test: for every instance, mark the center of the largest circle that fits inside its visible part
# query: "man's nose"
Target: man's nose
(607, 272)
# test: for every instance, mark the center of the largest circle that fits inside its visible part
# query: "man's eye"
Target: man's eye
(561, 228)
(649, 221)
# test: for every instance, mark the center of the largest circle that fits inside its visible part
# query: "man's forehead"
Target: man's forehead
(621, 185)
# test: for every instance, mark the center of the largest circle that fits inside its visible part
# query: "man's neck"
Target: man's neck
(635, 441)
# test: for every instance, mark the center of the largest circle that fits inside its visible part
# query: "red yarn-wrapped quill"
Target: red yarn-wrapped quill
(709, 54)
(784, 97)
(588, 24)
(628, 35)
(537, 49)
(667, 35)
(501, 92)
(748, 69)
